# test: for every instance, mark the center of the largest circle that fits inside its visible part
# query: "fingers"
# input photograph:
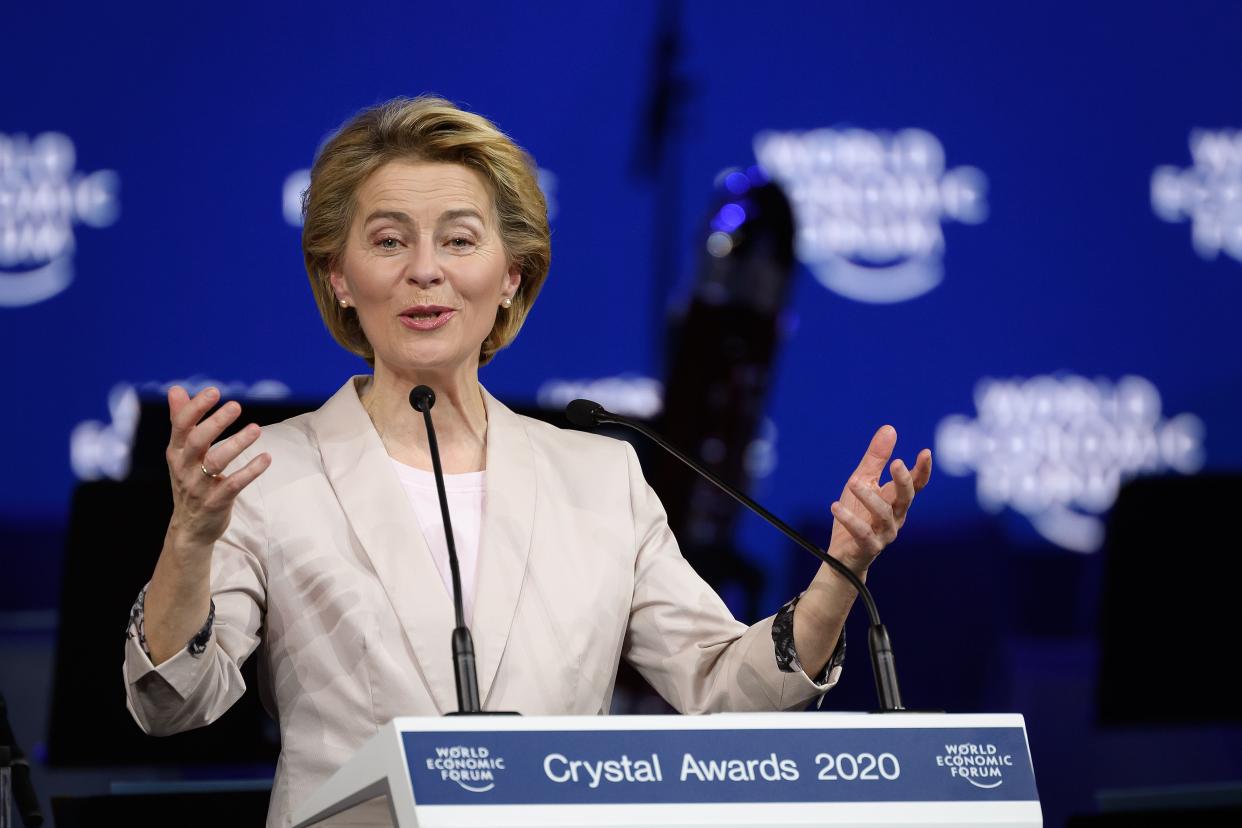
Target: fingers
(922, 469)
(185, 411)
(219, 456)
(244, 476)
(201, 513)
(902, 490)
(205, 433)
(190, 450)
(860, 530)
(202, 495)
(880, 449)
(177, 398)
(885, 522)
(887, 506)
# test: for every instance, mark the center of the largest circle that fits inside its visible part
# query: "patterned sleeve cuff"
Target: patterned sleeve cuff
(197, 645)
(787, 656)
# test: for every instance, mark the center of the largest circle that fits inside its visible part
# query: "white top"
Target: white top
(465, 501)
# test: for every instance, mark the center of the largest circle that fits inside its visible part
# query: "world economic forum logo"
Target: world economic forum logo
(472, 767)
(1057, 448)
(1207, 194)
(982, 765)
(870, 206)
(42, 198)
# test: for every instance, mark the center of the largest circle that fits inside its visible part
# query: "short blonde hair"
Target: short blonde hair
(425, 128)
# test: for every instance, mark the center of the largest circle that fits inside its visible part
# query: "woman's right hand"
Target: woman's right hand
(203, 496)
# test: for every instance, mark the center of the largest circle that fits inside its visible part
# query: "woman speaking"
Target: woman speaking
(426, 243)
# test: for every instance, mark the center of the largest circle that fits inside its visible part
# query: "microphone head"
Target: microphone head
(422, 398)
(584, 413)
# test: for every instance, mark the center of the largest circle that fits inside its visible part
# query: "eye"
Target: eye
(461, 242)
(388, 243)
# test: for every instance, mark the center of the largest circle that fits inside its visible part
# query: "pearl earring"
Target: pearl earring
(507, 302)
(344, 304)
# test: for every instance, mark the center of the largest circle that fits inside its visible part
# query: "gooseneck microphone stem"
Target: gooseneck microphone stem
(608, 417)
(588, 414)
(465, 671)
(459, 611)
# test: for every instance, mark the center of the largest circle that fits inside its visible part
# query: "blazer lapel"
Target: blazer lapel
(505, 539)
(379, 511)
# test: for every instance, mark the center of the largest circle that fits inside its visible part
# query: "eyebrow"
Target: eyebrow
(395, 215)
(404, 218)
(462, 212)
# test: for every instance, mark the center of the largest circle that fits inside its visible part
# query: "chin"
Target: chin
(430, 359)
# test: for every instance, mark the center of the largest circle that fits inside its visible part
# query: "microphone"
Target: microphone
(587, 414)
(465, 672)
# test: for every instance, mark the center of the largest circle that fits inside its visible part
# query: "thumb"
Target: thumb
(881, 448)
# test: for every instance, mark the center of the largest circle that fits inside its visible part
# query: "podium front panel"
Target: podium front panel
(764, 769)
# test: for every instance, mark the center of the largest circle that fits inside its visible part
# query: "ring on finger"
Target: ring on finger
(212, 475)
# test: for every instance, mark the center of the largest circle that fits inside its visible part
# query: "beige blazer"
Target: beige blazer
(324, 563)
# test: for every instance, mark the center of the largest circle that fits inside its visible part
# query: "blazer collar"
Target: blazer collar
(504, 544)
(380, 514)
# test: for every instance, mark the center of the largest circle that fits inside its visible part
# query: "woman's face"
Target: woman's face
(424, 266)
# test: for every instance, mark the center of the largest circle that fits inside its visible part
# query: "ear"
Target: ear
(340, 287)
(513, 280)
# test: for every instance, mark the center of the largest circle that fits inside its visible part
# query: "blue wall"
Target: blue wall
(1057, 290)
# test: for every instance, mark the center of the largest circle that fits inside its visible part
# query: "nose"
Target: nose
(423, 268)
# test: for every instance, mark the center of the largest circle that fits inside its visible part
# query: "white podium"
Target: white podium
(754, 769)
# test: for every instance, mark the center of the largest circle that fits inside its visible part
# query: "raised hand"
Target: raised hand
(179, 594)
(202, 495)
(868, 516)
(865, 520)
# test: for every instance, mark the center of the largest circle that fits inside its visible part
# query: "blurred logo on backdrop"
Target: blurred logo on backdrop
(1057, 448)
(298, 181)
(102, 450)
(870, 206)
(1207, 194)
(42, 198)
(627, 394)
(643, 397)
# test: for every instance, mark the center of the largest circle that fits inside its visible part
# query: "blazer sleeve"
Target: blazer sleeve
(683, 639)
(189, 691)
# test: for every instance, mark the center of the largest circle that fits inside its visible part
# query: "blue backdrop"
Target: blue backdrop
(1020, 231)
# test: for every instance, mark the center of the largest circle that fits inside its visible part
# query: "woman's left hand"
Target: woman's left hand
(868, 516)
(865, 520)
